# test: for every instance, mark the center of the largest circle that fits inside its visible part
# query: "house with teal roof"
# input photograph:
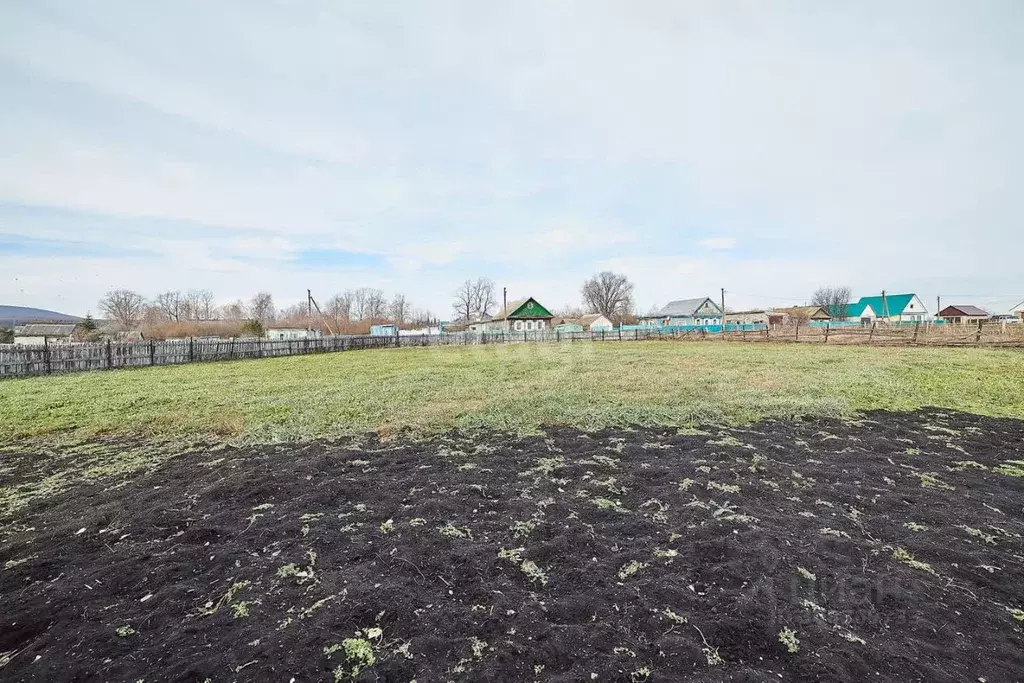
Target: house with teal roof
(890, 308)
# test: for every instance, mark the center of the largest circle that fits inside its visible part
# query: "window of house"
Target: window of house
(519, 324)
(529, 324)
(540, 324)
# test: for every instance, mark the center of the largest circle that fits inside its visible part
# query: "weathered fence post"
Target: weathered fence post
(828, 326)
(231, 349)
(152, 352)
(872, 333)
(110, 363)
(46, 355)
(917, 326)
(797, 337)
(977, 337)
(191, 350)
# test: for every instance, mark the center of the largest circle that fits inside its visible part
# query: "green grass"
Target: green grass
(516, 388)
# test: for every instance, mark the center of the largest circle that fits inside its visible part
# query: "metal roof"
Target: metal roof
(963, 310)
(683, 308)
(514, 306)
(46, 330)
(895, 304)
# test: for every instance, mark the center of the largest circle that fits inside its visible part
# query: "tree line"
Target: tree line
(607, 293)
(129, 309)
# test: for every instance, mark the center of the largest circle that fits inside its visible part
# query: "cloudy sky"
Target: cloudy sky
(763, 147)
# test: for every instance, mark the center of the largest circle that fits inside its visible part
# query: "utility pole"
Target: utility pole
(504, 306)
(938, 305)
(884, 313)
(309, 306)
(723, 313)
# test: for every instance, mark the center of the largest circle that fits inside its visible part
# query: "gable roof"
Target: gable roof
(952, 311)
(521, 308)
(46, 330)
(683, 308)
(590, 319)
(895, 304)
(809, 312)
(854, 309)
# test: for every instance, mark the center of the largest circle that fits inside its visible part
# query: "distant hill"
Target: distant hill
(11, 316)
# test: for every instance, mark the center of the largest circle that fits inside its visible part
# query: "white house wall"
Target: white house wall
(30, 341)
(868, 312)
(915, 307)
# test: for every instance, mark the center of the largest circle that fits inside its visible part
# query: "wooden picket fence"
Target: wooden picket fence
(18, 361)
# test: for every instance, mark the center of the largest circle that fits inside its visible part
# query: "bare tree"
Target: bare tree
(569, 311)
(339, 307)
(483, 296)
(609, 294)
(359, 303)
(296, 312)
(375, 304)
(197, 304)
(832, 299)
(232, 311)
(206, 304)
(261, 308)
(170, 304)
(474, 299)
(152, 315)
(368, 303)
(399, 309)
(123, 306)
(464, 301)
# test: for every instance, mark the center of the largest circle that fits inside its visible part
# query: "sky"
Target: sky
(766, 148)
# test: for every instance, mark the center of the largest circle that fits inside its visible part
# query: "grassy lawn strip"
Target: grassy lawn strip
(515, 388)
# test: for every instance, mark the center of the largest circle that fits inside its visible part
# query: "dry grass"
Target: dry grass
(516, 388)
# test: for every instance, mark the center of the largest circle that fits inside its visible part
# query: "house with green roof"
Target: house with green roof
(888, 308)
(521, 315)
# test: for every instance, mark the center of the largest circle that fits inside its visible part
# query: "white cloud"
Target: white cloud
(535, 142)
(718, 242)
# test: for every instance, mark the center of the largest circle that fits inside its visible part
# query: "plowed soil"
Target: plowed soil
(886, 549)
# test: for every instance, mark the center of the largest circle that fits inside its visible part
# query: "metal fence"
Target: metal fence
(18, 361)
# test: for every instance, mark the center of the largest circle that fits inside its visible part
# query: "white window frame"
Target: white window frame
(529, 325)
(518, 325)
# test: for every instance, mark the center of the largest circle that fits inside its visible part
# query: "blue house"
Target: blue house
(702, 311)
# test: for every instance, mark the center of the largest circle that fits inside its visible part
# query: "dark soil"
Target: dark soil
(250, 564)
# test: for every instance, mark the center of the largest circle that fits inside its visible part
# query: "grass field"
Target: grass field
(514, 388)
(521, 513)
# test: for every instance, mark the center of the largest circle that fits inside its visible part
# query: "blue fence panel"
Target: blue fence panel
(708, 329)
